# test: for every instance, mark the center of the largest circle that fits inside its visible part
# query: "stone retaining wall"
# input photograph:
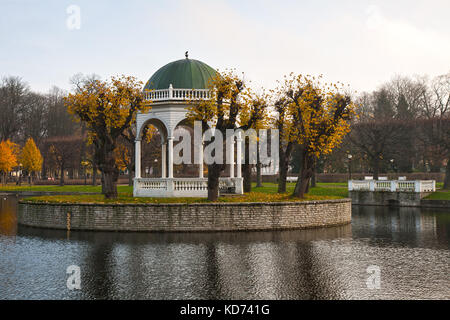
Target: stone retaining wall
(184, 217)
(435, 204)
(384, 198)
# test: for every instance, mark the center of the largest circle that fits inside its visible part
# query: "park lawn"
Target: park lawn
(68, 188)
(439, 195)
(126, 199)
(265, 194)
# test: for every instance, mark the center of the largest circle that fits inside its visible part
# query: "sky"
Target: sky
(357, 42)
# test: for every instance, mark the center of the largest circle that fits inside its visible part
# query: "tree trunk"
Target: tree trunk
(313, 179)
(376, 168)
(258, 167)
(102, 182)
(258, 176)
(61, 179)
(247, 175)
(304, 177)
(131, 166)
(284, 156)
(282, 173)
(94, 174)
(130, 176)
(213, 182)
(110, 175)
(247, 169)
(447, 176)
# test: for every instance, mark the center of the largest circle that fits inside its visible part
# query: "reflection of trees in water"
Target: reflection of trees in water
(206, 266)
(270, 271)
(214, 285)
(8, 218)
(405, 225)
(97, 270)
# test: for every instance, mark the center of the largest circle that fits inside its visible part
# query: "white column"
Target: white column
(239, 155)
(200, 157)
(231, 156)
(137, 159)
(170, 146)
(163, 160)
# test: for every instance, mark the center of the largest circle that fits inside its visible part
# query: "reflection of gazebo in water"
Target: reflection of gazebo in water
(170, 89)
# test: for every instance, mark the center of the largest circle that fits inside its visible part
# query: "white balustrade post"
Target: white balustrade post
(239, 156)
(434, 185)
(350, 185)
(163, 159)
(137, 159)
(371, 185)
(170, 146)
(170, 92)
(417, 186)
(393, 186)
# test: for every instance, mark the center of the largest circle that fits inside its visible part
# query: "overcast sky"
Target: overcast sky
(361, 43)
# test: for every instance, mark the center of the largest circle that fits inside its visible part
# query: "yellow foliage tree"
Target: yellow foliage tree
(108, 109)
(8, 159)
(231, 106)
(123, 156)
(314, 115)
(31, 157)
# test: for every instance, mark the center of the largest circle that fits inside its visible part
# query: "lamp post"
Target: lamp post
(392, 165)
(349, 156)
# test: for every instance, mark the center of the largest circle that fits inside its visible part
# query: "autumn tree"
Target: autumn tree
(228, 108)
(107, 108)
(316, 117)
(31, 158)
(257, 107)
(8, 159)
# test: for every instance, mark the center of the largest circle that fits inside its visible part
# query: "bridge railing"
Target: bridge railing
(392, 186)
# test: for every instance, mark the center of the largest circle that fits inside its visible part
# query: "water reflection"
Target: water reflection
(410, 246)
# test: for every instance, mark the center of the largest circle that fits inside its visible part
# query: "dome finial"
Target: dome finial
(187, 54)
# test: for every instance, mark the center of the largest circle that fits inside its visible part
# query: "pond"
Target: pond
(408, 248)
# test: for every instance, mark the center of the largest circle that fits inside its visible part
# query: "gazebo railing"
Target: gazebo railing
(176, 94)
(182, 186)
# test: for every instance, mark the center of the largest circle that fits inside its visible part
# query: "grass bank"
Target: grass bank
(439, 195)
(268, 193)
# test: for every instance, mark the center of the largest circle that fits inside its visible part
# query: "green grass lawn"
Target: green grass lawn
(74, 189)
(268, 193)
(439, 195)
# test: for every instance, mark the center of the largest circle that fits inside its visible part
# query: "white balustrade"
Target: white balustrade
(152, 184)
(181, 187)
(359, 185)
(177, 94)
(428, 186)
(392, 186)
(382, 185)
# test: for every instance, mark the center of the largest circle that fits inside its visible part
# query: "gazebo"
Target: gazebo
(170, 91)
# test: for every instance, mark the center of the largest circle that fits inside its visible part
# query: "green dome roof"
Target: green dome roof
(182, 74)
